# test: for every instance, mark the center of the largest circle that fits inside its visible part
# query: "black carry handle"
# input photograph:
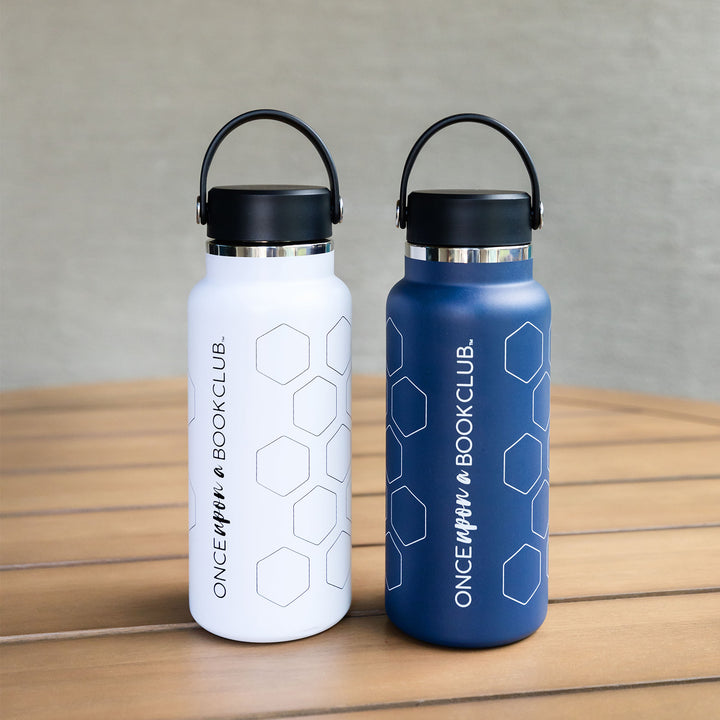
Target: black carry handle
(536, 208)
(279, 115)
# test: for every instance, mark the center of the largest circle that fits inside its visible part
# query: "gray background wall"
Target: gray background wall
(107, 108)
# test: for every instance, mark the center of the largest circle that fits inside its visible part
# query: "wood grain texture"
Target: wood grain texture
(661, 702)
(190, 674)
(93, 590)
(587, 508)
(99, 594)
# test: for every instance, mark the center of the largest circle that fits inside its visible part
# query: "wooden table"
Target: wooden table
(95, 621)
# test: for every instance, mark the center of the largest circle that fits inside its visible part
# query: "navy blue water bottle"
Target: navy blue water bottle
(468, 406)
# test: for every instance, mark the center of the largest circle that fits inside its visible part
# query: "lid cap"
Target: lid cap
(268, 214)
(469, 218)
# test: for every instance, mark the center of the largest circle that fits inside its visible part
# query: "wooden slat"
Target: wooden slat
(160, 391)
(588, 464)
(172, 391)
(105, 451)
(171, 416)
(94, 488)
(643, 459)
(575, 508)
(61, 599)
(639, 562)
(95, 536)
(623, 400)
(93, 423)
(593, 566)
(598, 425)
(189, 674)
(660, 702)
(131, 420)
(591, 508)
(606, 431)
(638, 461)
(568, 464)
(147, 393)
(146, 531)
(108, 595)
(634, 505)
(625, 427)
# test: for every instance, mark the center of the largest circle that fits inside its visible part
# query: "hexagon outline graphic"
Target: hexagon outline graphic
(348, 396)
(544, 534)
(389, 345)
(398, 554)
(337, 346)
(535, 389)
(282, 354)
(282, 465)
(312, 513)
(192, 507)
(549, 345)
(390, 480)
(192, 409)
(418, 502)
(509, 483)
(285, 575)
(338, 454)
(414, 427)
(306, 401)
(539, 575)
(334, 550)
(539, 364)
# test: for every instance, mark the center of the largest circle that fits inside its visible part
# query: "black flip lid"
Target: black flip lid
(268, 214)
(468, 218)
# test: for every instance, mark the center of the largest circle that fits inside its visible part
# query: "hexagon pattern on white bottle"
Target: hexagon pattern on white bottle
(307, 467)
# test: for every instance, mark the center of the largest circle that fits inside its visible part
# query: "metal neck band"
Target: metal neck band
(267, 251)
(512, 253)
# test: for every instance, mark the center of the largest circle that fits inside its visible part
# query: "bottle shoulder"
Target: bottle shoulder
(313, 295)
(426, 297)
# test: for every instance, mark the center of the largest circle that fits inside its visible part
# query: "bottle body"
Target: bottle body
(269, 447)
(468, 391)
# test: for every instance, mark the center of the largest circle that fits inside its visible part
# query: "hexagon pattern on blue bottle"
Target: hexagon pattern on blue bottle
(523, 465)
(524, 352)
(524, 462)
(313, 441)
(407, 411)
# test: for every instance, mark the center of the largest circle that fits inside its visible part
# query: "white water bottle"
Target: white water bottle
(269, 409)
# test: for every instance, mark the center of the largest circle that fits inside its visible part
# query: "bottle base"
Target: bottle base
(476, 642)
(264, 635)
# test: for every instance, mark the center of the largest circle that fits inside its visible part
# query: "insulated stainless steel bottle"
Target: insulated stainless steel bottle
(468, 406)
(269, 409)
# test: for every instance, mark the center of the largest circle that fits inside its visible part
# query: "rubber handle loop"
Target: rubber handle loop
(283, 117)
(535, 204)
